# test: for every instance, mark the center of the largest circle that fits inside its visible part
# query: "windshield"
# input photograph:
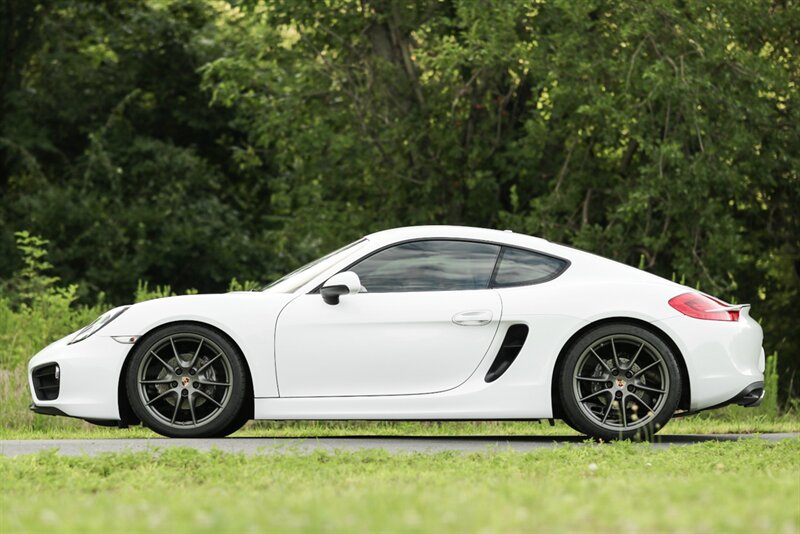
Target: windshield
(300, 277)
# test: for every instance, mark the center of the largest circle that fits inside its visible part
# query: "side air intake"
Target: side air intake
(512, 344)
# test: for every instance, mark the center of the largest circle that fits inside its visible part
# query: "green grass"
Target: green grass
(709, 487)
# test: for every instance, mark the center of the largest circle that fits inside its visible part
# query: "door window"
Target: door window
(522, 267)
(434, 265)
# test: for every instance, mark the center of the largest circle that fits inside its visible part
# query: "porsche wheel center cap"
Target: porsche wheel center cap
(185, 381)
(620, 383)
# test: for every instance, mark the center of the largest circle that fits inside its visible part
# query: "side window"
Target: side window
(429, 266)
(522, 267)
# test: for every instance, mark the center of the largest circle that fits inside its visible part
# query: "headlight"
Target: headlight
(98, 323)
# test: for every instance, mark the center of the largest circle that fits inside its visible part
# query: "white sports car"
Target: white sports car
(420, 323)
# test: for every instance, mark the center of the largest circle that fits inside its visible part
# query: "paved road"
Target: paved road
(75, 447)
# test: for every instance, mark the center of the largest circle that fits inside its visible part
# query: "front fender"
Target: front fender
(248, 318)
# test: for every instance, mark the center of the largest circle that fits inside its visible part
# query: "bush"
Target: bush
(34, 312)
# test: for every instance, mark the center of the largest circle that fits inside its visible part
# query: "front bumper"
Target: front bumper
(46, 410)
(89, 378)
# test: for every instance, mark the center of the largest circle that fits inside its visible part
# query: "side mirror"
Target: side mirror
(346, 283)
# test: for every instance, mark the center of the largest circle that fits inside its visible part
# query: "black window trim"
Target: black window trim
(566, 263)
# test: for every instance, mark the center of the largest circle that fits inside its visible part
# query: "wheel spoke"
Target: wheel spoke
(602, 362)
(648, 388)
(166, 381)
(643, 369)
(154, 399)
(177, 407)
(592, 379)
(608, 411)
(209, 383)
(191, 408)
(596, 393)
(162, 361)
(175, 350)
(209, 362)
(641, 401)
(633, 360)
(197, 352)
(623, 415)
(209, 397)
(614, 351)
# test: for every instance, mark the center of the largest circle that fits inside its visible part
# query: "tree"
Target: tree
(118, 159)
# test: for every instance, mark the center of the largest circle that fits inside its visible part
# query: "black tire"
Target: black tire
(238, 422)
(619, 381)
(244, 415)
(570, 424)
(187, 381)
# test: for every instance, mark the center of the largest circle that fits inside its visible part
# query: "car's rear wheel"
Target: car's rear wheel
(186, 380)
(619, 381)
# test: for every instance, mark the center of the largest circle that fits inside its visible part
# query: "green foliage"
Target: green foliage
(132, 166)
(143, 292)
(769, 406)
(186, 142)
(32, 281)
(34, 311)
(246, 285)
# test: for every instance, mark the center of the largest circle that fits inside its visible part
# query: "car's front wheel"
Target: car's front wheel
(187, 381)
(619, 381)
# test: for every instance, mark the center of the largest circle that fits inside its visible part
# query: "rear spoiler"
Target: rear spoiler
(731, 308)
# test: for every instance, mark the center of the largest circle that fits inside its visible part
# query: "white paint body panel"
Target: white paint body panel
(381, 344)
(400, 356)
(724, 356)
(88, 388)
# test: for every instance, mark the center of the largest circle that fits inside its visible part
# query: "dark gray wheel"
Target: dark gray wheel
(619, 381)
(187, 381)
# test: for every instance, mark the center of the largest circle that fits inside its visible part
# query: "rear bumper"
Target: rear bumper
(749, 397)
(724, 360)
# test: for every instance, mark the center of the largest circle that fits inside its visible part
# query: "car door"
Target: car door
(423, 325)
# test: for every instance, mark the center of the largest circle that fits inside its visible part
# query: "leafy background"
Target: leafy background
(188, 142)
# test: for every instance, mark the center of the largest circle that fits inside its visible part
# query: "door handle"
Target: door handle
(473, 318)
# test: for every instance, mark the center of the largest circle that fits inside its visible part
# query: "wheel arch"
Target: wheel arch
(685, 400)
(126, 413)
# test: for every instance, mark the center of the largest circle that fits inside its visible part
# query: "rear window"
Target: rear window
(522, 267)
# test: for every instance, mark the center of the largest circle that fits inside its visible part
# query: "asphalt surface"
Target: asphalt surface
(77, 447)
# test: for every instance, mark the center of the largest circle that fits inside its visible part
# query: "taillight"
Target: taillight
(704, 307)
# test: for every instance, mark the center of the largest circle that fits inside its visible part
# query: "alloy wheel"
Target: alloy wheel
(185, 380)
(621, 382)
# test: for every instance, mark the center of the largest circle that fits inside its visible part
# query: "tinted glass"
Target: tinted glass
(521, 267)
(429, 266)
